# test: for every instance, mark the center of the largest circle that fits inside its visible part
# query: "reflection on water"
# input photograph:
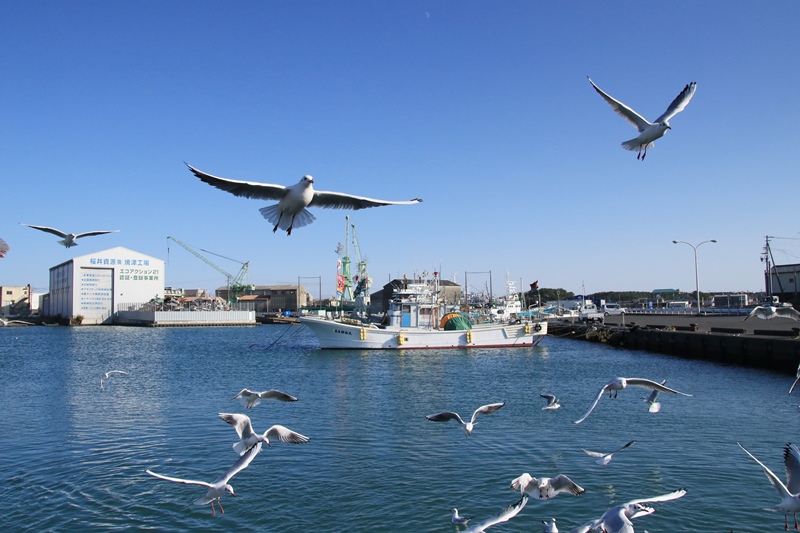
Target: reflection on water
(74, 455)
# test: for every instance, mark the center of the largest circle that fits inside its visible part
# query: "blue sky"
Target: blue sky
(480, 108)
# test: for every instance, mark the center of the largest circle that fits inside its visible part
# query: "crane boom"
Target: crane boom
(236, 284)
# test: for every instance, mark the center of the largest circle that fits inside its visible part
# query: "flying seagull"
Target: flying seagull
(290, 212)
(459, 520)
(69, 238)
(108, 374)
(648, 131)
(545, 488)
(790, 492)
(468, 426)
(249, 438)
(503, 516)
(250, 399)
(618, 519)
(552, 402)
(618, 384)
(549, 527)
(768, 312)
(219, 487)
(604, 458)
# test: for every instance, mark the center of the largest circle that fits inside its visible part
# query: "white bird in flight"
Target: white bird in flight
(108, 374)
(648, 131)
(546, 487)
(249, 438)
(250, 399)
(768, 312)
(549, 527)
(654, 405)
(468, 426)
(604, 458)
(618, 384)
(790, 492)
(219, 487)
(503, 516)
(552, 402)
(459, 520)
(290, 212)
(618, 519)
(68, 239)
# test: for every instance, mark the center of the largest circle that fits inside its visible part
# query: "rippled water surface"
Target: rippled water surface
(73, 455)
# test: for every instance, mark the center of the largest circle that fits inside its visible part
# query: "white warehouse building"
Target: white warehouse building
(92, 285)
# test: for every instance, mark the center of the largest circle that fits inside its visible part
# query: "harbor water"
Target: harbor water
(74, 455)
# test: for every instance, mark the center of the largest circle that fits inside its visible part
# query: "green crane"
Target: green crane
(236, 284)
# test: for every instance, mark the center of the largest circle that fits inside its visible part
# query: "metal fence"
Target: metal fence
(204, 305)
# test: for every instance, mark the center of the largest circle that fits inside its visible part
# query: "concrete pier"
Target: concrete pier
(769, 344)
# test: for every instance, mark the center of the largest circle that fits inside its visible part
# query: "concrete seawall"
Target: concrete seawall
(772, 345)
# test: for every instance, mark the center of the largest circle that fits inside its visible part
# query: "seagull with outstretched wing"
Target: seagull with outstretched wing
(68, 239)
(505, 515)
(219, 487)
(444, 416)
(290, 211)
(648, 131)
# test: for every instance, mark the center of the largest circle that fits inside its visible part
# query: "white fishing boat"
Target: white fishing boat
(416, 320)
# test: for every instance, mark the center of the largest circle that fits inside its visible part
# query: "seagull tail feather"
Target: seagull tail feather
(240, 447)
(633, 145)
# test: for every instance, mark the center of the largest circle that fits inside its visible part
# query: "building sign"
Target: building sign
(96, 290)
(128, 268)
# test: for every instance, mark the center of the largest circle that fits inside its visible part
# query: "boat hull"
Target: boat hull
(335, 334)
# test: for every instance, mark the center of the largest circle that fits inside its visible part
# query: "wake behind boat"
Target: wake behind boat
(417, 320)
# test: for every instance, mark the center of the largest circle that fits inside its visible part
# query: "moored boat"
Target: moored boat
(416, 320)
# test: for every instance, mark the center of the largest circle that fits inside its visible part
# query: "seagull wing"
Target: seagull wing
(621, 109)
(594, 454)
(652, 385)
(775, 480)
(788, 312)
(523, 482)
(551, 399)
(48, 230)
(241, 423)
(503, 516)
(91, 233)
(339, 200)
(486, 409)
(178, 480)
(562, 483)
(679, 103)
(628, 445)
(240, 464)
(594, 404)
(444, 417)
(284, 434)
(674, 495)
(246, 189)
(245, 393)
(791, 457)
(277, 395)
(795, 381)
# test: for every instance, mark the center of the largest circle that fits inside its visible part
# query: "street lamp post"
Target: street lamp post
(696, 276)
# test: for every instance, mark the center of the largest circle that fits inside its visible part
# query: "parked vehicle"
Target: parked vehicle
(612, 309)
(589, 312)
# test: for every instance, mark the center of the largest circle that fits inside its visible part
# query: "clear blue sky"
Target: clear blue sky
(480, 108)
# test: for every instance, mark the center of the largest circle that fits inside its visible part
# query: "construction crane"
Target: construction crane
(236, 284)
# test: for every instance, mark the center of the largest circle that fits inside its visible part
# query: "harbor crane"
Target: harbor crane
(236, 284)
